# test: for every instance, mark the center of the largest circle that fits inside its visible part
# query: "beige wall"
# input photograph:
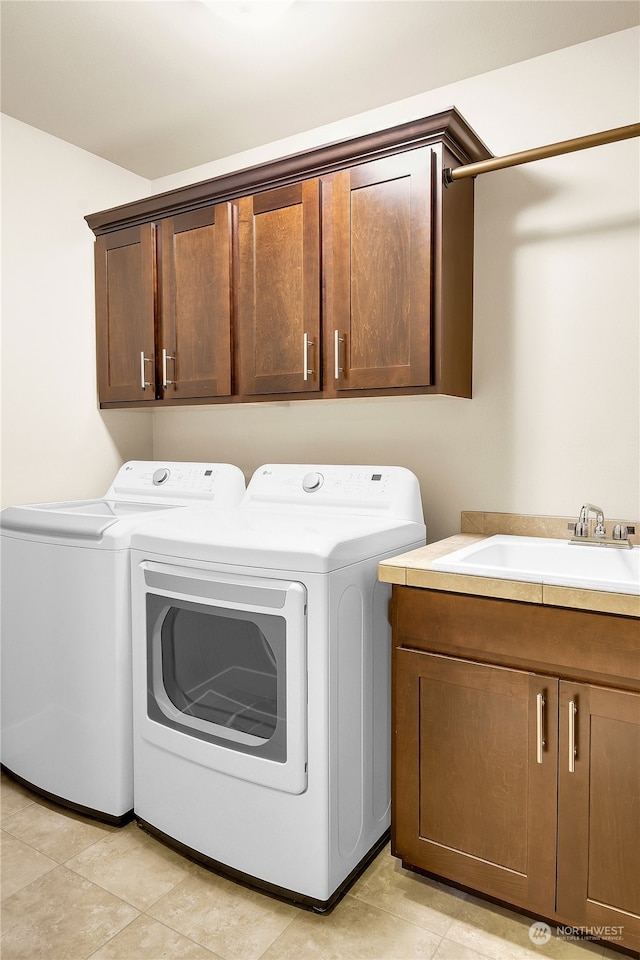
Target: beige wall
(555, 418)
(555, 415)
(55, 442)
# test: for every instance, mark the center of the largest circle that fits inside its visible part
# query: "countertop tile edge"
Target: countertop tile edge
(479, 586)
(624, 604)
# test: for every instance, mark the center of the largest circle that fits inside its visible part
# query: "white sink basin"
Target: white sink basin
(541, 560)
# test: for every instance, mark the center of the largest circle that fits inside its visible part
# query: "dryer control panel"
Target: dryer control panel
(387, 491)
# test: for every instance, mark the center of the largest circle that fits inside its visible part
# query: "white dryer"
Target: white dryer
(261, 649)
(66, 635)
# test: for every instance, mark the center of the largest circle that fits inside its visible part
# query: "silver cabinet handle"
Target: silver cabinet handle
(572, 735)
(165, 357)
(337, 340)
(540, 741)
(306, 371)
(144, 383)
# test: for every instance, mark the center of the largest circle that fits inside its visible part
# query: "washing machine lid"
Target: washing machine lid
(76, 520)
(139, 488)
(278, 540)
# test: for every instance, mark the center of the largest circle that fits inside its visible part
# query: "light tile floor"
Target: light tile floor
(73, 889)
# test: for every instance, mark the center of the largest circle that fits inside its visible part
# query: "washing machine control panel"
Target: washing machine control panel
(148, 479)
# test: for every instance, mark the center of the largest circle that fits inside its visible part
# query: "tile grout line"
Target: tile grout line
(399, 916)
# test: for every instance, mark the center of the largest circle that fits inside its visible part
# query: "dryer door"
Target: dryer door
(226, 672)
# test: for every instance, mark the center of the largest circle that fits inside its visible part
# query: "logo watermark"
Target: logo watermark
(540, 933)
(603, 932)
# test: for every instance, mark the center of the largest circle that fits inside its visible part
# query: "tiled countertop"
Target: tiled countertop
(414, 569)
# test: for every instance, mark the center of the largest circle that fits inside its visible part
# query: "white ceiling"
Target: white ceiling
(159, 86)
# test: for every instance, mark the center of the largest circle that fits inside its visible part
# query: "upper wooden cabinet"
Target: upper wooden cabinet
(278, 290)
(194, 317)
(343, 271)
(163, 309)
(125, 314)
(378, 238)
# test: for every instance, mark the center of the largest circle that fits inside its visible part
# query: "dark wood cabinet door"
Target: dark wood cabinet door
(378, 262)
(599, 811)
(194, 337)
(278, 293)
(474, 785)
(125, 314)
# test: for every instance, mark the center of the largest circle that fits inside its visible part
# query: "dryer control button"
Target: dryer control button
(312, 481)
(161, 476)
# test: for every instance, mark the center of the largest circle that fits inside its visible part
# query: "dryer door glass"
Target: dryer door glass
(219, 674)
(222, 670)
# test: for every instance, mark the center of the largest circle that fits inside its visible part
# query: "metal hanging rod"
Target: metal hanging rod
(541, 153)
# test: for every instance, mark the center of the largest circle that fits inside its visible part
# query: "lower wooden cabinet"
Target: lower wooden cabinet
(519, 784)
(469, 804)
(599, 809)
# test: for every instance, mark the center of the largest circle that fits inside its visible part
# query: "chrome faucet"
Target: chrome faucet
(582, 526)
(590, 528)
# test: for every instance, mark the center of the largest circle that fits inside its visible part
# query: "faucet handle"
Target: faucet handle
(581, 529)
(620, 531)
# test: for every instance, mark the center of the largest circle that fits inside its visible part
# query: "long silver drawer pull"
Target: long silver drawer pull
(572, 735)
(306, 370)
(540, 742)
(337, 340)
(144, 383)
(165, 357)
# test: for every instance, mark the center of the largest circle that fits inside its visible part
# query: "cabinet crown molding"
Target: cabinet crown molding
(447, 127)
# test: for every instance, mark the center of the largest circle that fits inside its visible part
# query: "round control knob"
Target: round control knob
(161, 475)
(312, 481)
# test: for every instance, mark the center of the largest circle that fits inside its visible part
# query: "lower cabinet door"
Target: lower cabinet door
(475, 775)
(599, 812)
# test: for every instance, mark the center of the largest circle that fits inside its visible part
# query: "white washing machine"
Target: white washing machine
(261, 651)
(66, 631)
